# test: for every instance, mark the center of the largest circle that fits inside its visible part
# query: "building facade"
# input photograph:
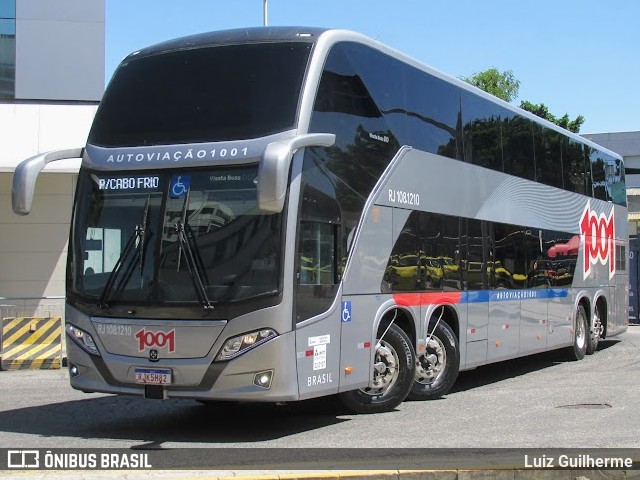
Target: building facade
(51, 81)
(627, 144)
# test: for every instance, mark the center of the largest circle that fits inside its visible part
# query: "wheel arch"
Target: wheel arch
(450, 316)
(401, 315)
(582, 298)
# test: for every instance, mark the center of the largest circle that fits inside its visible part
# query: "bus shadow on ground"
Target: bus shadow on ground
(499, 371)
(153, 422)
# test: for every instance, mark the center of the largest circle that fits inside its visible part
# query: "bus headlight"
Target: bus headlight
(83, 339)
(243, 343)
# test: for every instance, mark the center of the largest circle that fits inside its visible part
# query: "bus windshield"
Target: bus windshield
(173, 237)
(212, 94)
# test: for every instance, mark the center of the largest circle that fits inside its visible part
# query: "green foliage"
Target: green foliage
(501, 84)
(542, 111)
(505, 86)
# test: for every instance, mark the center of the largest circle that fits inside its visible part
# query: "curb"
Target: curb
(499, 474)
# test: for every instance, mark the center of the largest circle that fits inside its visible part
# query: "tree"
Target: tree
(505, 86)
(501, 84)
(542, 111)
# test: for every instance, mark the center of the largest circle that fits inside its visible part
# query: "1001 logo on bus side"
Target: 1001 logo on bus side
(598, 232)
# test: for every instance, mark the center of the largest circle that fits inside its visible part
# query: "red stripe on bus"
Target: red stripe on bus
(431, 298)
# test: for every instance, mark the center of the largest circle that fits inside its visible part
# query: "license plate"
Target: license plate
(154, 376)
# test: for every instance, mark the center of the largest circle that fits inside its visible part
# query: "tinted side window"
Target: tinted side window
(537, 274)
(614, 173)
(425, 255)
(351, 102)
(549, 157)
(518, 147)
(576, 171)
(474, 255)
(403, 272)
(509, 268)
(449, 256)
(598, 174)
(482, 132)
(433, 114)
(608, 177)
(560, 256)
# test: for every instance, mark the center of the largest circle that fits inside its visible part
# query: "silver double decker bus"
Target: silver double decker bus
(277, 214)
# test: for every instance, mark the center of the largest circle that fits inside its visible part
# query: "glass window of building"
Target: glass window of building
(7, 48)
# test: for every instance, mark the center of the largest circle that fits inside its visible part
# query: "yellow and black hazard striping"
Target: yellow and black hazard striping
(31, 343)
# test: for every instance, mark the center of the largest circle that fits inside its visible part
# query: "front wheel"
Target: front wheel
(393, 370)
(436, 368)
(580, 334)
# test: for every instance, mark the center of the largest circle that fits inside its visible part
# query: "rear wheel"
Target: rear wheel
(594, 332)
(393, 369)
(437, 368)
(580, 335)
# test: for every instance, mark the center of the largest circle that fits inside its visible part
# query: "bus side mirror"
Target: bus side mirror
(26, 174)
(273, 172)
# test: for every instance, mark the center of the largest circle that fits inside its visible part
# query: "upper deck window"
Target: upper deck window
(209, 94)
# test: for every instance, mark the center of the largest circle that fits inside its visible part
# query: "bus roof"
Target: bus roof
(330, 36)
(238, 35)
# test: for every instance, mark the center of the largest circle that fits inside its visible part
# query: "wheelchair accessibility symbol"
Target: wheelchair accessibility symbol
(180, 185)
(346, 311)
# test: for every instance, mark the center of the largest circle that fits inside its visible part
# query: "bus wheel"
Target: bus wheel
(579, 348)
(393, 369)
(437, 368)
(594, 333)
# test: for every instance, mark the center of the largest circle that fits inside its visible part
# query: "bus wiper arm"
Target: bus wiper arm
(142, 231)
(192, 266)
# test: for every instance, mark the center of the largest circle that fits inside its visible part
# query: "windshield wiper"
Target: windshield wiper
(192, 265)
(142, 232)
(182, 226)
(136, 243)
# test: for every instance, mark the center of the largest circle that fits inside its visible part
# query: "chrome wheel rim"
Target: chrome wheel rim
(431, 365)
(581, 335)
(385, 369)
(598, 328)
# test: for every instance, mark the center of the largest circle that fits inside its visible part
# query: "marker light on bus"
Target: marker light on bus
(83, 339)
(243, 343)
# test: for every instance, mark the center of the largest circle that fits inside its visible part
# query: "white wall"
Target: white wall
(33, 248)
(29, 129)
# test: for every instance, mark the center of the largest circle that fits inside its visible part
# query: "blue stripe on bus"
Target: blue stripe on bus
(415, 299)
(482, 296)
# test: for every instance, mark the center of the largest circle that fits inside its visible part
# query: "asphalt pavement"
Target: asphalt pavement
(536, 404)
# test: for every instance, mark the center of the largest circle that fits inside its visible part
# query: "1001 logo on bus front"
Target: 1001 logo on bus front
(598, 232)
(147, 338)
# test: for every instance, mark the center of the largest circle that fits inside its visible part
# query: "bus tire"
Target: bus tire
(436, 369)
(580, 335)
(393, 370)
(594, 333)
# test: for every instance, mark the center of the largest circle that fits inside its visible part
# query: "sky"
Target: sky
(580, 57)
